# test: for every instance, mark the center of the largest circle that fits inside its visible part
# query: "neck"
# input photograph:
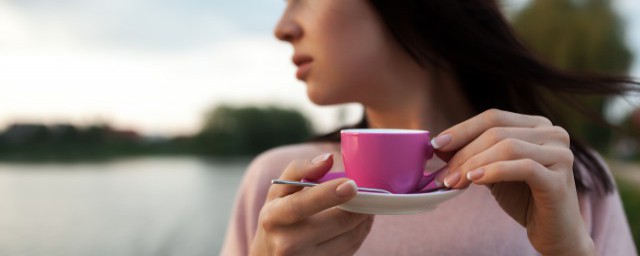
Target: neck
(433, 104)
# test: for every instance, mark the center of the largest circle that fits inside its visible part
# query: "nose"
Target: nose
(288, 29)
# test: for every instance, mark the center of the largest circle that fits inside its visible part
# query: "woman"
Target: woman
(455, 68)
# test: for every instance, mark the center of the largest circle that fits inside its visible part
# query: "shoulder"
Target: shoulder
(593, 171)
(603, 212)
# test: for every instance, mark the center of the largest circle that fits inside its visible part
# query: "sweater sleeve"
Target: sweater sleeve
(607, 222)
(610, 230)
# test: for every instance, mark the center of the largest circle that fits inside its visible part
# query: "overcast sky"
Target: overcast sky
(156, 65)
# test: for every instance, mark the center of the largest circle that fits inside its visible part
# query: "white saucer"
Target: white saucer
(397, 204)
(393, 204)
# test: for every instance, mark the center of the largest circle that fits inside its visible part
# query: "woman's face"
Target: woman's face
(343, 51)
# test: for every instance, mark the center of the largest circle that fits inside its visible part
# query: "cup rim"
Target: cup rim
(382, 131)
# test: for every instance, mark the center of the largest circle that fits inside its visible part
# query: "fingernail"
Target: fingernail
(475, 174)
(321, 158)
(441, 141)
(347, 189)
(452, 179)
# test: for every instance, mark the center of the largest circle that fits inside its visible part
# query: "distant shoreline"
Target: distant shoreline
(53, 159)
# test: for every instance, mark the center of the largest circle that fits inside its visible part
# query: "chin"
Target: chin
(318, 100)
(322, 98)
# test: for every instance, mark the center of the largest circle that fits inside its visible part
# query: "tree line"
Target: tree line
(227, 131)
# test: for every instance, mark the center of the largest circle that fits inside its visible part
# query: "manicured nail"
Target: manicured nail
(452, 179)
(475, 174)
(441, 141)
(347, 189)
(321, 158)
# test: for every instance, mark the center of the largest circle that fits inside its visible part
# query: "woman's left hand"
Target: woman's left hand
(528, 165)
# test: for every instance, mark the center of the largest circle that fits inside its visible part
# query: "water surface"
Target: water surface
(143, 206)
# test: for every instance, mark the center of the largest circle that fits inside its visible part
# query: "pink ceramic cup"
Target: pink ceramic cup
(390, 159)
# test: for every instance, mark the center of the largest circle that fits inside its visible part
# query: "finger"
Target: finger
(552, 135)
(301, 169)
(549, 136)
(465, 132)
(347, 243)
(299, 206)
(526, 170)
(330, 223)
(512, 149)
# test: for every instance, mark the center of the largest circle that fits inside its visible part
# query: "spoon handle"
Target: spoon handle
(311, 184)
(295, 183)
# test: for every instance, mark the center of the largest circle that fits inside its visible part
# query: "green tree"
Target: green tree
(229, 131)
(578, 35)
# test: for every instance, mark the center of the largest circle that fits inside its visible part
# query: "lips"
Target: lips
(304, 65)
(300, 59)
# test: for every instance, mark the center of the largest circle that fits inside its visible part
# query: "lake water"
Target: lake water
(142, 206)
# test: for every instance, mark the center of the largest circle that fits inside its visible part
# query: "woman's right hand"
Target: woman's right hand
(296, 221)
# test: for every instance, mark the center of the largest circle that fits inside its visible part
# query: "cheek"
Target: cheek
(350, 57)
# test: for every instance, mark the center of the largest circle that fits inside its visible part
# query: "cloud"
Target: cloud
(143, 25)
(155, 93)
(156, 66)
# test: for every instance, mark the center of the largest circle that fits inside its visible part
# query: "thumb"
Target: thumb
(302, 169)
(314, 200)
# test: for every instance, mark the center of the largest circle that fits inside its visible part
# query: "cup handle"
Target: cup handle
(428, 178)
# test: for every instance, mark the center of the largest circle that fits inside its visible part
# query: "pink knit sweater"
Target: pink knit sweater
(469, 224)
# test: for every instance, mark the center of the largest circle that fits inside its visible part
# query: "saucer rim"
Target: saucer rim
(342, 174)
(384, 202)
(417, 194)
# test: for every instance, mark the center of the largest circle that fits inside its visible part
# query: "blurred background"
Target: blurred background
(126, 125)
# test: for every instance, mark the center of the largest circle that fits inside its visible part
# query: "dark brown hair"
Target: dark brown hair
(480, 47)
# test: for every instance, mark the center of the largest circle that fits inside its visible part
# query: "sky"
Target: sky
(157, 66)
